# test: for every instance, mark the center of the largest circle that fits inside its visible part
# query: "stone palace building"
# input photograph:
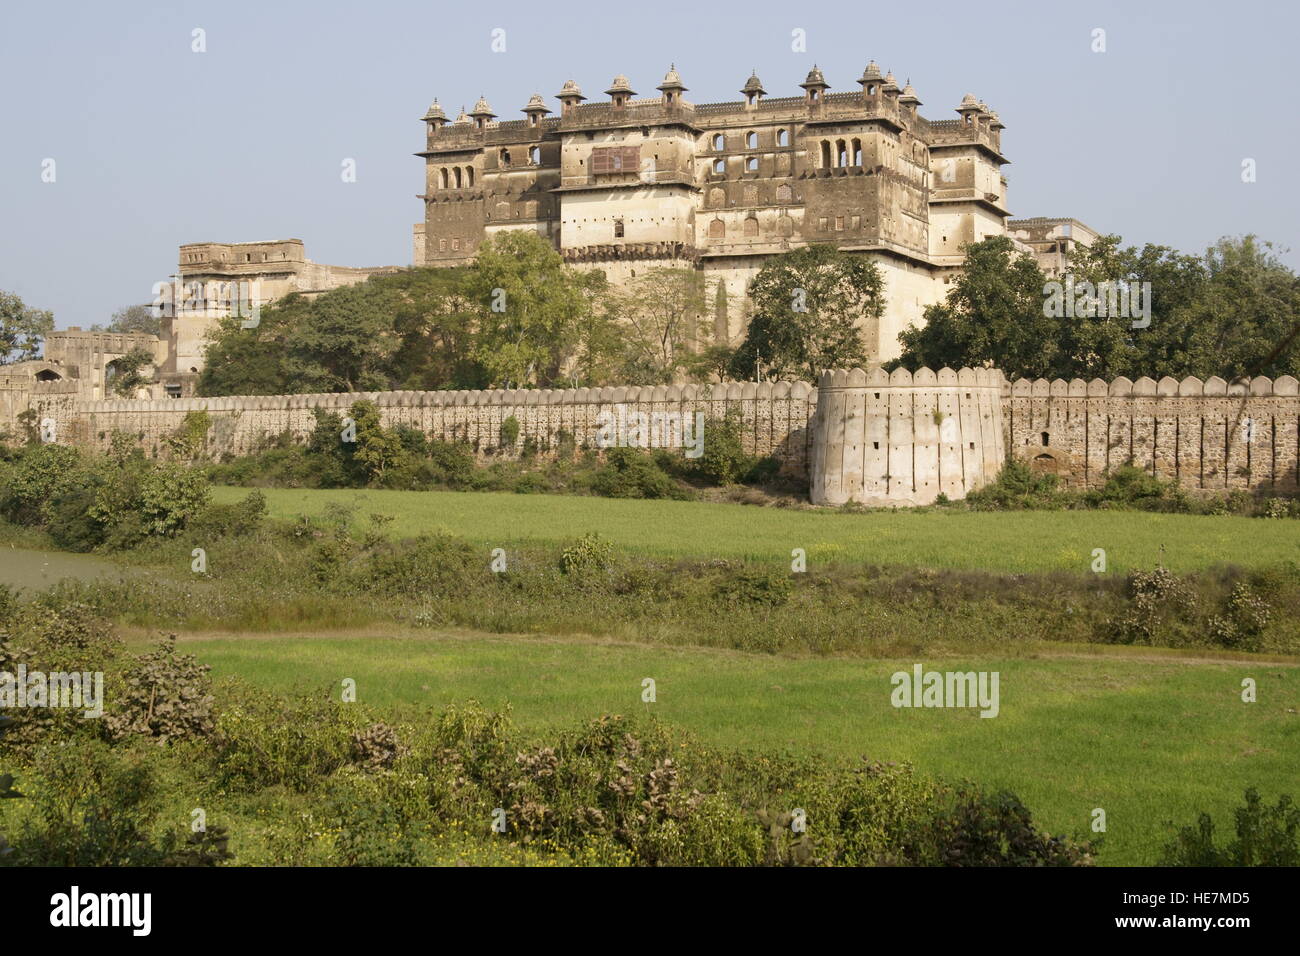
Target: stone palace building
(630, 184)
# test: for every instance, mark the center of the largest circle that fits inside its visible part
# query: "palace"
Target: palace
(627, 184)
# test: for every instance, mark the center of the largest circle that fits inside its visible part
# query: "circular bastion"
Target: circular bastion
(905, 438)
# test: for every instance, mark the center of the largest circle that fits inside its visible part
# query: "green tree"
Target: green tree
(252, 361)
(345, 341)
(809, 307)
(22, 328)
(435, 324)
(379, 449)
(124, 373)
(133, 318)
(660, 313)
(993, 315)
(529, 306)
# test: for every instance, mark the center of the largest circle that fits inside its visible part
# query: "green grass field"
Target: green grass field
(1149, 739)
(1001, 541)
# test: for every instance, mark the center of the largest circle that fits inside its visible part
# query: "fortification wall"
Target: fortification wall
(776, 416)
(1209, 436)
(904, 438)
(865, 436)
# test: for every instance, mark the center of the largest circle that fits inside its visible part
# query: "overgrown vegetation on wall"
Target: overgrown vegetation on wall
(402, 457)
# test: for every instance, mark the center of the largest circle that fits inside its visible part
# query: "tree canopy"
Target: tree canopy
(810, 306)
(22, 328)
(1231, 312)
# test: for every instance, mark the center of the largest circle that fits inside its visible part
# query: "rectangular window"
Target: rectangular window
(823, 223)
(839, 223)
(615, 159)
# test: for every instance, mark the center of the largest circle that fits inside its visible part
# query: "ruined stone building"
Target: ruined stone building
(215, 278)
(626, 185)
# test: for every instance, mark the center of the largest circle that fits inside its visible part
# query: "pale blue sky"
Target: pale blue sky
(156, 145)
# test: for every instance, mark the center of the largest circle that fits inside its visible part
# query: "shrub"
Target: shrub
(629, 473)
(1016, 488)
(376, 747)
(1246, 616)
(41, 474)
(166, 696)
(1265, 836)
(1160, 600)
(1127, 486)
(755, 587)
(590, 553)
(237, 519)
(724, 460)
(94, 807)
(509, 432)
(262, 740)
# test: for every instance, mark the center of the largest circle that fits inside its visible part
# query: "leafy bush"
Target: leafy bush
(1016, 488)
(1243, 623)
(724, 460)
(630, 473)
(509, 432)
(262, 740)
(1265, 836)
(166, 696)
(237, 519)
(590, 553)
(41, 474)
(93, 806)
(1127, 486)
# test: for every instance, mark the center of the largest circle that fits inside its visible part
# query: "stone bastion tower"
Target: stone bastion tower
(904, 438)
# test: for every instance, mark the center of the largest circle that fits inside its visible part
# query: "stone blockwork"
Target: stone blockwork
(877, 438)
(1209, 436)
(904, 438)
(776, 416)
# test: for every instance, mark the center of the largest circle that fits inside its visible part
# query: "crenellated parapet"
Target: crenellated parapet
(904, 438)
(862, 435)
(1208, 435)
(775, 414)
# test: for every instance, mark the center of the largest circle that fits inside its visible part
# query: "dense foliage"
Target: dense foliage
(1233, 311)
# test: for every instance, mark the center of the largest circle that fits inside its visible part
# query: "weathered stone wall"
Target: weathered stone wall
(776, 415)
(904, 438)
(866, 436)
(1209, 436)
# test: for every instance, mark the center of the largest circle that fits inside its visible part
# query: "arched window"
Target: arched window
(456, 176)
(469, 175)
(717, 229)
(841, 154)
(442, 178)
(751, 140)
(503, 157)
(857, 152)
(719, 142)
(720, 166)
(782, 138)
(535, 155)
(784, 194)
(751, 164)
(717, 197)
(826, 154)
(751, 226)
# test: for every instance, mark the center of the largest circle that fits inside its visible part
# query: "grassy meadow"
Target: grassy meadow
(1016, 542)
(1150, 736)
